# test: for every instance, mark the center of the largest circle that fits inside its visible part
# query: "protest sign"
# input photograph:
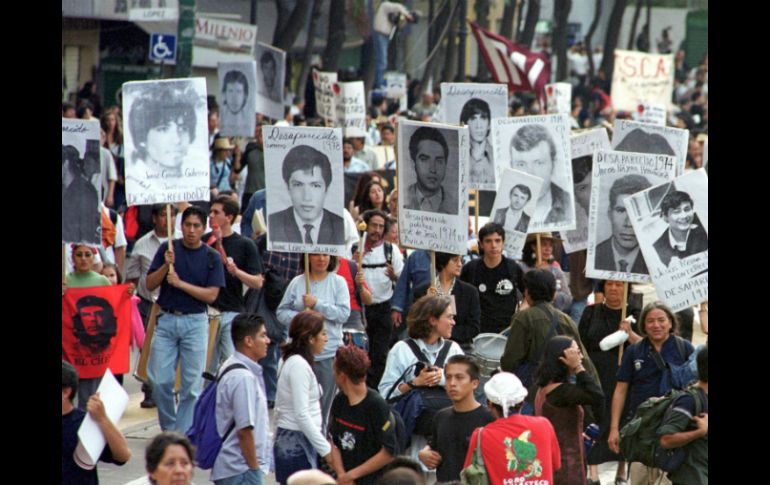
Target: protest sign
(641, 77)
(81, 178)
(166, 141)
(433, 169)
(271, 72)
(474, 105)
(540, 146)
(395, 88)
(513, 208)
(91, 440)
(583, 144)
(613, 248)
(305, 187)
(96, 327)
(632, 136)
(350, 103)
(324, 94)
(237, 84)
(671, 221)
(558, 98)
(652, 113)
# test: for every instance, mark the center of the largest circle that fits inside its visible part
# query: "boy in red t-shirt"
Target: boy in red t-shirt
(517, 449)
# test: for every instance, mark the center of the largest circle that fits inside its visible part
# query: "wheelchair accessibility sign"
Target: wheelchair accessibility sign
(162, 47)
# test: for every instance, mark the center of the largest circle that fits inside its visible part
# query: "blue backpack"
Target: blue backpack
(203, 432)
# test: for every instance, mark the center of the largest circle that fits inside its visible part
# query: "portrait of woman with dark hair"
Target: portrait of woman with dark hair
(477, 116)
(162, 122)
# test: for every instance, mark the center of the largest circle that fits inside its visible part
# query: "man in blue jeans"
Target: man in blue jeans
(382, 29)
(189, 277)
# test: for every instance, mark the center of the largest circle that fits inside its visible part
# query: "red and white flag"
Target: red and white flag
(513, 64)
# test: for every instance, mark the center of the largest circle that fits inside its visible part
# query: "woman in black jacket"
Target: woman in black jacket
(467, 306)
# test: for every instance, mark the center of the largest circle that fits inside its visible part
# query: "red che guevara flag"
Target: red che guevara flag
(95, 329)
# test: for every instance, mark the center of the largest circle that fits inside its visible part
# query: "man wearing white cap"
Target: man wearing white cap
(515, 447)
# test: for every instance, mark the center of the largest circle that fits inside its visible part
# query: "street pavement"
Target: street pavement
(140, 425)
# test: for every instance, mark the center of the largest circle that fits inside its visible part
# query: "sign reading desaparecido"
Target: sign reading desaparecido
(583, 144)
(81, 181)
(474, 105)
(324, 94)
(671, 220)
(305, 187)
(540, 146)
(514, 204)
(613, 248)
(166, 141)
(237, 98)
(271, 64)
(433, 174)
(632, 136)
(350, 104)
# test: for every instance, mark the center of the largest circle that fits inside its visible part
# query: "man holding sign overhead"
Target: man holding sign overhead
(189, 278)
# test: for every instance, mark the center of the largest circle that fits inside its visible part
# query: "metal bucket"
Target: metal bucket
(488, 348)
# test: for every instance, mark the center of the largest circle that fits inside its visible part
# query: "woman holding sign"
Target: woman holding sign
(330, 297)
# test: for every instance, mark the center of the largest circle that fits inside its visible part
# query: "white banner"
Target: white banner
(324, 94)
(558, 98)
(638, 76)
(350, 104)
(166, 141)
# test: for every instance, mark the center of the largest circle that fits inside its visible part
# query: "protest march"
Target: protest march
(297, 265)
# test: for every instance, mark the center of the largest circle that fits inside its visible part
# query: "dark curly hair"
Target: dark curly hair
(109, 328)
(353, 362)
(157, 448)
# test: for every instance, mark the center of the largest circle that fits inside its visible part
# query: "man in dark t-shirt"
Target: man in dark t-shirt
(243, 266)
(498, 279)
(360, 422)
(116, 451)
(453, 426)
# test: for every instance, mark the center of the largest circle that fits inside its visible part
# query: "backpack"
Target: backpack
(387, 248)
(475, 473)
(639, 439)
(203, 432)
(417, 408)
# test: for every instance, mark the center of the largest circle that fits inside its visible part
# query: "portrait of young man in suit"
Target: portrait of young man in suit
(684, 236)
(435, 189)
(513, 218)
(620, 252)
(307, 173)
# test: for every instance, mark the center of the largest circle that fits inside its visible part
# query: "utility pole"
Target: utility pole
(185, 35)
(462, 34)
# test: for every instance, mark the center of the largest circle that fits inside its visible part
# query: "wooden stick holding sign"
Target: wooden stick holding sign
(361, 227)
(64, 263)
(170, 233)
(433, 269)
(623, 316)
(476, 212)
(307, 276)
(539, 257)
(141, 366)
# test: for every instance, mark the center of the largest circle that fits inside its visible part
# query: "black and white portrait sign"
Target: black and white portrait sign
(433, 176)
(583, 144)
(305, 188)
(271, 72)
(350, 104)
(540, 146)
(672, 223)
(324, 94)
(613, 247)
(474, 105)
(558, 98)
(166, 141)
(513, 208)
(632, 136)
(81, 220)
(237, 98)
(395, 88)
